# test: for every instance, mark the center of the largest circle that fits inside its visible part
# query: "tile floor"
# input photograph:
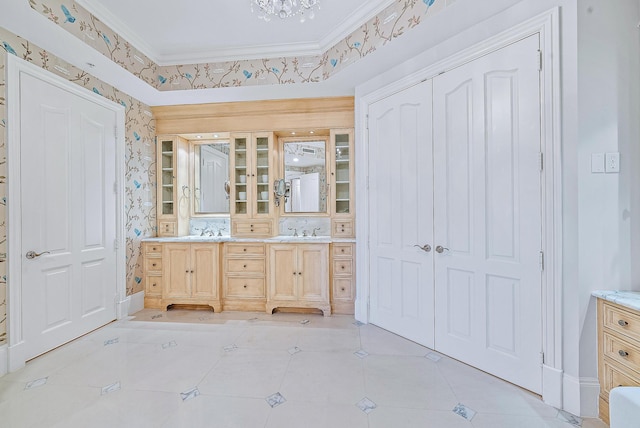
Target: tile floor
(243, 370)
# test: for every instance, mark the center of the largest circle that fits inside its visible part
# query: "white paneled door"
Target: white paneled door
(68, 215)
(401, 219)
(455, 164)
(488, 213)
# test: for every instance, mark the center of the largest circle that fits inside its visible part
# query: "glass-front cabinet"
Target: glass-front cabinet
(253, 160)
(173, 191)
(342, 176)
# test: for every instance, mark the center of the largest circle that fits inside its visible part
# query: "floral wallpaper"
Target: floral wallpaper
(139, 159)
(393, 22)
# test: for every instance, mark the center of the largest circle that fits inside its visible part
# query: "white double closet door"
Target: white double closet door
(455, 213)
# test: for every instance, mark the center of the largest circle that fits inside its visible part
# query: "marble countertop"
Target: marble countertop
(629, 299)
(273, 240)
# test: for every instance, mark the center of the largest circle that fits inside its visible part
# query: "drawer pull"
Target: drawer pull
(244, 249)
(342, 250)
(245, 286)
(342, 289)
(153, 264)
(244, 266)
(623, 353)
(299, 273)
(623, 323)
(342, 267)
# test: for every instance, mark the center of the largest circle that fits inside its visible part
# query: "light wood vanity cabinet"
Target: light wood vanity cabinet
(343, 285)
(342, 183)
(172, 186)
(152, 267)
(245, 270)
(189, 274)
(253, 214)
(299, 277)
(618, 350)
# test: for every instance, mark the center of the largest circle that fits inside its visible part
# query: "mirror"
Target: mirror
(211, 177)
(305, 175)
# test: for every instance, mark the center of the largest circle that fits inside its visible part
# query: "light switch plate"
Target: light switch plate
(612, 162)
(597, 162)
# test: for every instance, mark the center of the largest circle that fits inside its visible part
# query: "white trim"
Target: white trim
(136, 302)
(4, 360)
(346, 27)
(552, 386)
(16, 66)
(547, 26)
(581, 396)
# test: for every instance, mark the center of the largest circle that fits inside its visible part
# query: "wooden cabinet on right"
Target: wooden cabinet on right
(618, 350)
(342, 183)
(343, 284)
(298, 277)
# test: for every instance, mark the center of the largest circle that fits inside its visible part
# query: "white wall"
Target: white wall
(600, 110)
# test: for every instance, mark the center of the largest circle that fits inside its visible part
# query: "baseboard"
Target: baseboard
(552, 386)
(136, 302)
(122, 308)
(580, 396)
(4, 360)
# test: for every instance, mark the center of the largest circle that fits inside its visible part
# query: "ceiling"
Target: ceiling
(198, 31)
(176, 31)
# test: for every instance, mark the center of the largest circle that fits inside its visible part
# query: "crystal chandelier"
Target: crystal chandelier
(285, 8)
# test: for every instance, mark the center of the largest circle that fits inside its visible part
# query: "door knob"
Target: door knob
(32, 254)
(440, 249)
(426, 247)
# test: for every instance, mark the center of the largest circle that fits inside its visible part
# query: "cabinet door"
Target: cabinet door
(166, 176)
(261, 175)
(204, 263)
(342, 173)
(313, 272)
(241, 174)
(283, 272)
(177, 270)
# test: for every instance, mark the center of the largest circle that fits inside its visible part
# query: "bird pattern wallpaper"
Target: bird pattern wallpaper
(391, 23)
(139, 158)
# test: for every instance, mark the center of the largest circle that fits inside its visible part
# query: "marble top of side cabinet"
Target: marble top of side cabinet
(628, 299)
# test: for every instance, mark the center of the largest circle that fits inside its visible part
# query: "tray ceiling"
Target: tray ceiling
(196, 31)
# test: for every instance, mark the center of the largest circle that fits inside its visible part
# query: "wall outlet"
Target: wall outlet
(612, 162)
(597, 162)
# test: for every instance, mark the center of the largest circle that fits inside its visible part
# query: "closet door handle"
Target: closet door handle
(440, 249)
(32, 254)
(426, 247)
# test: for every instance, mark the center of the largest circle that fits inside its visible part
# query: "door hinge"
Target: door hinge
(367, 182)
(542, 358)
(115, 187)
(541, 260)
(116, 244)
(539, 60)
(541, 161)
(367, 122)
(115, 131)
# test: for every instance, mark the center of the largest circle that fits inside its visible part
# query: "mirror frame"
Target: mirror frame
(223, 138)
(281, 170)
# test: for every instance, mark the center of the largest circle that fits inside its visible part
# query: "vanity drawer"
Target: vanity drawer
(621, 351)
(343, 267)
(621, 321)
(167, 228)
(342, 250)
(153, 249)
(343, 228)
(246, 249)
(246, 287)
(153, 264)
(243, 266)
(153, 285)
(342, 288)
(615, 376)
(253, 228)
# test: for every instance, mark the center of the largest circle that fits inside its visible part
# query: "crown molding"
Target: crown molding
(362, 15)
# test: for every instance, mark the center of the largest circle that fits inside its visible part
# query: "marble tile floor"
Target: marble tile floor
(186, 368)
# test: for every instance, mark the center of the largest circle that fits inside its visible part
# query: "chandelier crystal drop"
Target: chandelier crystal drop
(285, 8)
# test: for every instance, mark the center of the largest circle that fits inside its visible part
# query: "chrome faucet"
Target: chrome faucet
(314, 231)
(295, 231)
(304, 233)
